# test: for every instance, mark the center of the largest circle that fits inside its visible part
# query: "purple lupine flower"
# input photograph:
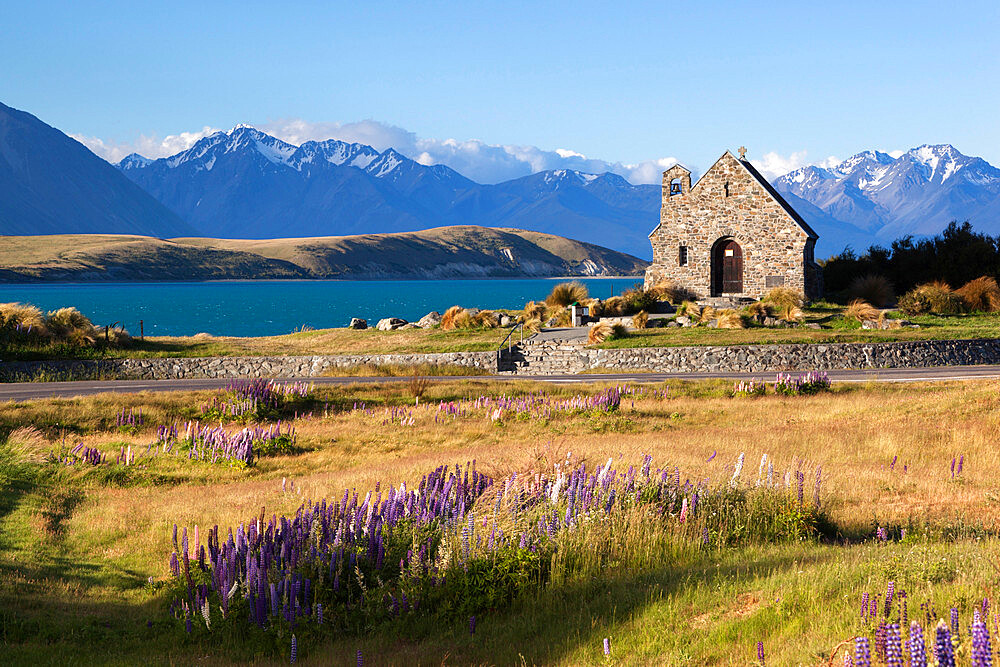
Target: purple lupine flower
(893, 646)
(760, 652)
(890, 591)
(714, 452)
(360, 661)
(954, 622)
(319, 613)
(982, 653)
(848, 661)
(918, 650)
(864, 605)
(880, 640)
(961, 462)
(862, 652)
(607, 647)
(472, 625)
(943, 649)
(295, 649)
(953, 467)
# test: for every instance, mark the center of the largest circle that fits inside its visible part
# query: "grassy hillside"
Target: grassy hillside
(780, 552)
(445, 252)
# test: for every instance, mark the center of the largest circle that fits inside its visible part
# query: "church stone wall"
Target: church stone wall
(728, 202)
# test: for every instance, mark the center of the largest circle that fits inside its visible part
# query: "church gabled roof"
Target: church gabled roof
(792, 213)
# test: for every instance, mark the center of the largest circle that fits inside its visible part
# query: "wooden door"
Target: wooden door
(730, 263)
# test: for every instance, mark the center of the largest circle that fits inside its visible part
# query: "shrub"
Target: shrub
(564, 294)
(980, 295)
(707, 315)
(598, 333)
(914, 303)
(561, 317)
(872, 288)
(640, 320)
(936, 297)
(618, 331)
(785, 301)
(861, 311)
(637, 299)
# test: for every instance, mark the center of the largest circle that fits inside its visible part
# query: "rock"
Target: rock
(431, 319)
(359, 323)
(683, 320)
(410, 325)
(505, 321)
(713, 323)
(871, 324)
(672, 324)
(812, 325)
(770, 321)
(551, 322)
(390, 324)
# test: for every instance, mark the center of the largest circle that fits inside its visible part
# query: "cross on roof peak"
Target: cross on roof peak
(743, 152)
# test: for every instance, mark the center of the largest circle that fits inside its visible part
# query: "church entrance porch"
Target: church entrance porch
(727, 267)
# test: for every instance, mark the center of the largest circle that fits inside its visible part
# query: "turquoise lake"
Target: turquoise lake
(271, 307)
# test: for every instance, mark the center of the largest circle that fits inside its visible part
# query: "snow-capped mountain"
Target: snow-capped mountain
(880, 198)
(247, 184)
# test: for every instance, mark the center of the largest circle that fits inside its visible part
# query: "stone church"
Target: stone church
(731, 235)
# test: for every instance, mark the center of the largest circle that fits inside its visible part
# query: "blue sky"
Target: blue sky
(628, 83)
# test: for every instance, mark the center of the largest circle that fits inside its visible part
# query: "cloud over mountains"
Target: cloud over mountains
(475, 159)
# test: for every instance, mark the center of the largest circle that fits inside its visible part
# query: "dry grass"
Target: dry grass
(862, 311)
(730, 319)
(923, 426)
(535, 310)
(640, 320)
(598, 333)
(785, 302)
(981, 295)
(564, 294)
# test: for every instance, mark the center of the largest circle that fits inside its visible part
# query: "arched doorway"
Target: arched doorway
(727, 267)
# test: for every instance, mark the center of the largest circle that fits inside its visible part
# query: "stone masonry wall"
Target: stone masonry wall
(728, 202)
(548, 358)
(233, 367)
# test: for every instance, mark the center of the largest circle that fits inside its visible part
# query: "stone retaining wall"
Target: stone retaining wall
(544, 358)
(233, 367)
(547, 358)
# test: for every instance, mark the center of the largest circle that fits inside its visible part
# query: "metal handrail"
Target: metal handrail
(507, 341)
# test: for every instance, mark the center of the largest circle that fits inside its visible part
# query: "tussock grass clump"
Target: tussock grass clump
(758, 311)
(638, 298)
(689, 309)
(599, 333)
(485, 319)
(535, 310)
(707, 315)
(874, 289)
(23, 320)
(618, 331)
(980, 295)
(613, 307)
(935, 297)
(786, 302)
(565, 294)
(730, 319)
(861, 310)
(640, 320)
(455, 317)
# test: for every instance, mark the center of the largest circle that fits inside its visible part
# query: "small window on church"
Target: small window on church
(682, 255)
(726, 187)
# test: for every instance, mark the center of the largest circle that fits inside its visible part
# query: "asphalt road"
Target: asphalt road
(28, 390)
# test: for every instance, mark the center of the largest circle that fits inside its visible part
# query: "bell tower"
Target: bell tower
(676, 181)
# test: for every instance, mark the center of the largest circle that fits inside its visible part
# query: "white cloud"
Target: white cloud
(478, 160)
(150, 146)
(773, 165)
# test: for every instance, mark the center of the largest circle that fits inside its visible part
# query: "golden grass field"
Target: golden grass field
(75, 554)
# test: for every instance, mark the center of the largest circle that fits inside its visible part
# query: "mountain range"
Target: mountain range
(246, 184)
